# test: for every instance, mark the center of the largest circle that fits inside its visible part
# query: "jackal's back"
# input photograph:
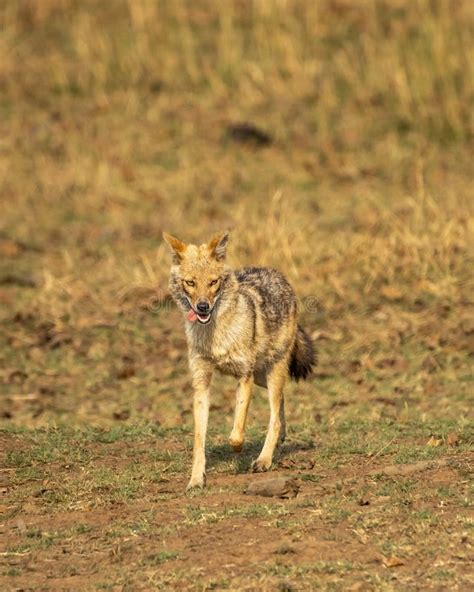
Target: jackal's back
(275, 302)
(272, 294)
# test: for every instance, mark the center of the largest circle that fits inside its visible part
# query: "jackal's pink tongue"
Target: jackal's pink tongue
(192, 316)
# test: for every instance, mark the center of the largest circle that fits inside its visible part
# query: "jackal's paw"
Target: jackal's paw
(236, 443)
(196, 483)
(260, 466)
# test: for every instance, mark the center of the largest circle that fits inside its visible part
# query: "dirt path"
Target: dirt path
(360, 526)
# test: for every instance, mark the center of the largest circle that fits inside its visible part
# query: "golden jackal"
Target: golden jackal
(243, 323)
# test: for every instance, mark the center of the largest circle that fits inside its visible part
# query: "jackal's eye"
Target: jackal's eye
(190, 283)
(213, 283)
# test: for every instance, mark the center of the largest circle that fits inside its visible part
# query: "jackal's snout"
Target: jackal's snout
(203, 306)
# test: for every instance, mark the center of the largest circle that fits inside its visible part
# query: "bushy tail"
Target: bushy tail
(303, 356)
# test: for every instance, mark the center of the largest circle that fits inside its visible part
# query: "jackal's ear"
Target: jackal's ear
(177, 246)
(218, 246)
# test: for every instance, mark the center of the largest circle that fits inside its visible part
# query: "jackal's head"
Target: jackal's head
(199, 275)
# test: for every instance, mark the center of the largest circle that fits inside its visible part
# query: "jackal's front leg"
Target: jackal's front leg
(202, 374)
(242, 401)
(276, 379)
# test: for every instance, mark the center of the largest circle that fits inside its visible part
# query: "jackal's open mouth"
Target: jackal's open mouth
(194, 316)
(204, 318)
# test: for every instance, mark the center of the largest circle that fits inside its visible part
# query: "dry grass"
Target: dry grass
(116, 117)
(114, 127)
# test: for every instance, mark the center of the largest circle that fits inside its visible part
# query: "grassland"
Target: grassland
(115, 125)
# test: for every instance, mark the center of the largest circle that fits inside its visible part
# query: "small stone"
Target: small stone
(281, 487)
(452, 439)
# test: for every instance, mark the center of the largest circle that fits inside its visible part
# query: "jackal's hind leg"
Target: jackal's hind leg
(276, 380)
(282, 437)
(242, 401)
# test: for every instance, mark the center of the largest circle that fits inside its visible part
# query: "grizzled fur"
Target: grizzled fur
(252, 334)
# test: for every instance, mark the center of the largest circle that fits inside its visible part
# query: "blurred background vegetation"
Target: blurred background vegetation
(118, 121)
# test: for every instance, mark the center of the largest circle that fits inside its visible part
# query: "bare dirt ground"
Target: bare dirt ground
(384, 499)
(365, 525)
(352, 174)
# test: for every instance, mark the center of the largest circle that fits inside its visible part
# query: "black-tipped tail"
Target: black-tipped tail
(303, 356)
